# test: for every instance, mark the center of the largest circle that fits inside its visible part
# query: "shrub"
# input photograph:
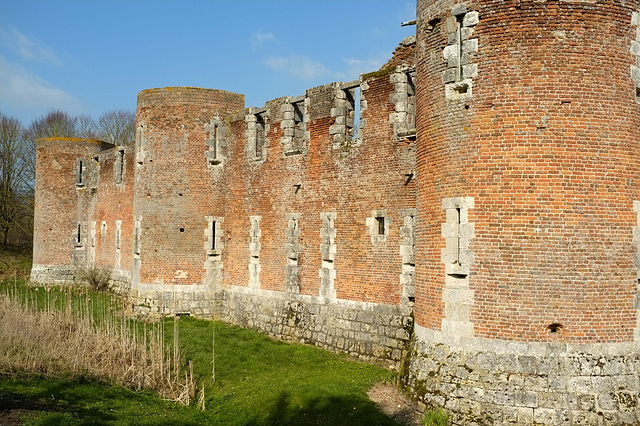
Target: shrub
(97, 277)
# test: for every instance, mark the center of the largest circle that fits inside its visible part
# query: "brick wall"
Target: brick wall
(527, 151)
(59, 200)
(545, 142)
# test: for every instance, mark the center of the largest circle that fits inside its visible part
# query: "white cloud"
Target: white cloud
(259, 38)
(22, 90)
(298, 66)
(27, 48)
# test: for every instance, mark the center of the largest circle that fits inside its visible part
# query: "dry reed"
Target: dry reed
(63, 337)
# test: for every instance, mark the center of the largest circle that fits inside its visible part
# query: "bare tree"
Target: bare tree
(117, 127)
(15, 193)
(86, 127)
(54, 124)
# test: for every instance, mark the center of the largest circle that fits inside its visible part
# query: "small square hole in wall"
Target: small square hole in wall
(181, 230)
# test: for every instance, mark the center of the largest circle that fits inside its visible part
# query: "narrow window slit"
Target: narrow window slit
(213, 235)
(381, 227)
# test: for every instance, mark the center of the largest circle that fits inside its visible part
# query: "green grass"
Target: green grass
(259, 381)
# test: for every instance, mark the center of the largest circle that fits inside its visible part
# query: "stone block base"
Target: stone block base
(365, 330)
(53, 274)
(485, 382)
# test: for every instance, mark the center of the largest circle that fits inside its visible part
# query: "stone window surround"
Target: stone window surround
(328, 251)
(216, 133)
(408, 254)
(294, 125)
(343, 112)
(119, 166)
(78, 232)
(403, 100)
(103, 231)
(460, 72)
(92, 243)
(213, 248)
(635, 51)
(141, 143)
(373, 226)
(457, 296)
(292, 248)
(80, 172)
(254, 251)
(137, 236)
(252, 134)
(118, 234)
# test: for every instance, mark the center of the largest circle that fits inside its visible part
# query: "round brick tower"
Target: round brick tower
(528, 202)
(180, 156)
(62, 182)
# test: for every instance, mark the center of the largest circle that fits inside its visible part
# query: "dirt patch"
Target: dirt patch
(390, 401)
(14, 416)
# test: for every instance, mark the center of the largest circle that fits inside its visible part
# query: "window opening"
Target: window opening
(352, 113)
(79, 181)
(119, 166)
(356, 112)
(213, 139)
(213, 235)
(79, 234)
(298, 113)
(260, 134)
(214, 146)
(380, 222)
(459, 19)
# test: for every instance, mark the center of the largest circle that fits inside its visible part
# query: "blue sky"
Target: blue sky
(90, 56)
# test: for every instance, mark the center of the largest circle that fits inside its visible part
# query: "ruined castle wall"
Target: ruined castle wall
(173, 187)
(304, 257)
(527, 165)
(62, 181)
(110, 217)
(342, 180)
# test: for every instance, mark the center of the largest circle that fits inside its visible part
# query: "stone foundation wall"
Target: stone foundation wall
(167, 299)
(366, 330)
(485, 382)
(53, 274)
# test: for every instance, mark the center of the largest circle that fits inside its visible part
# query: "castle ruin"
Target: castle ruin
(469, 212)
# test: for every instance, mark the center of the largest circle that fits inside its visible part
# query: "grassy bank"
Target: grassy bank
(258, 381)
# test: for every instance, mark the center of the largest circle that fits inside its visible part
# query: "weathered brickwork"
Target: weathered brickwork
(544, 142)
(485, 182)
(215, 206)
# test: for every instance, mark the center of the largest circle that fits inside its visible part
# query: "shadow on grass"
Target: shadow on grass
(83, 402)
(332, 411)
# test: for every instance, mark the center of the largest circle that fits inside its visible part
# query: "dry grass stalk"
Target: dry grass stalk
(54, 342)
